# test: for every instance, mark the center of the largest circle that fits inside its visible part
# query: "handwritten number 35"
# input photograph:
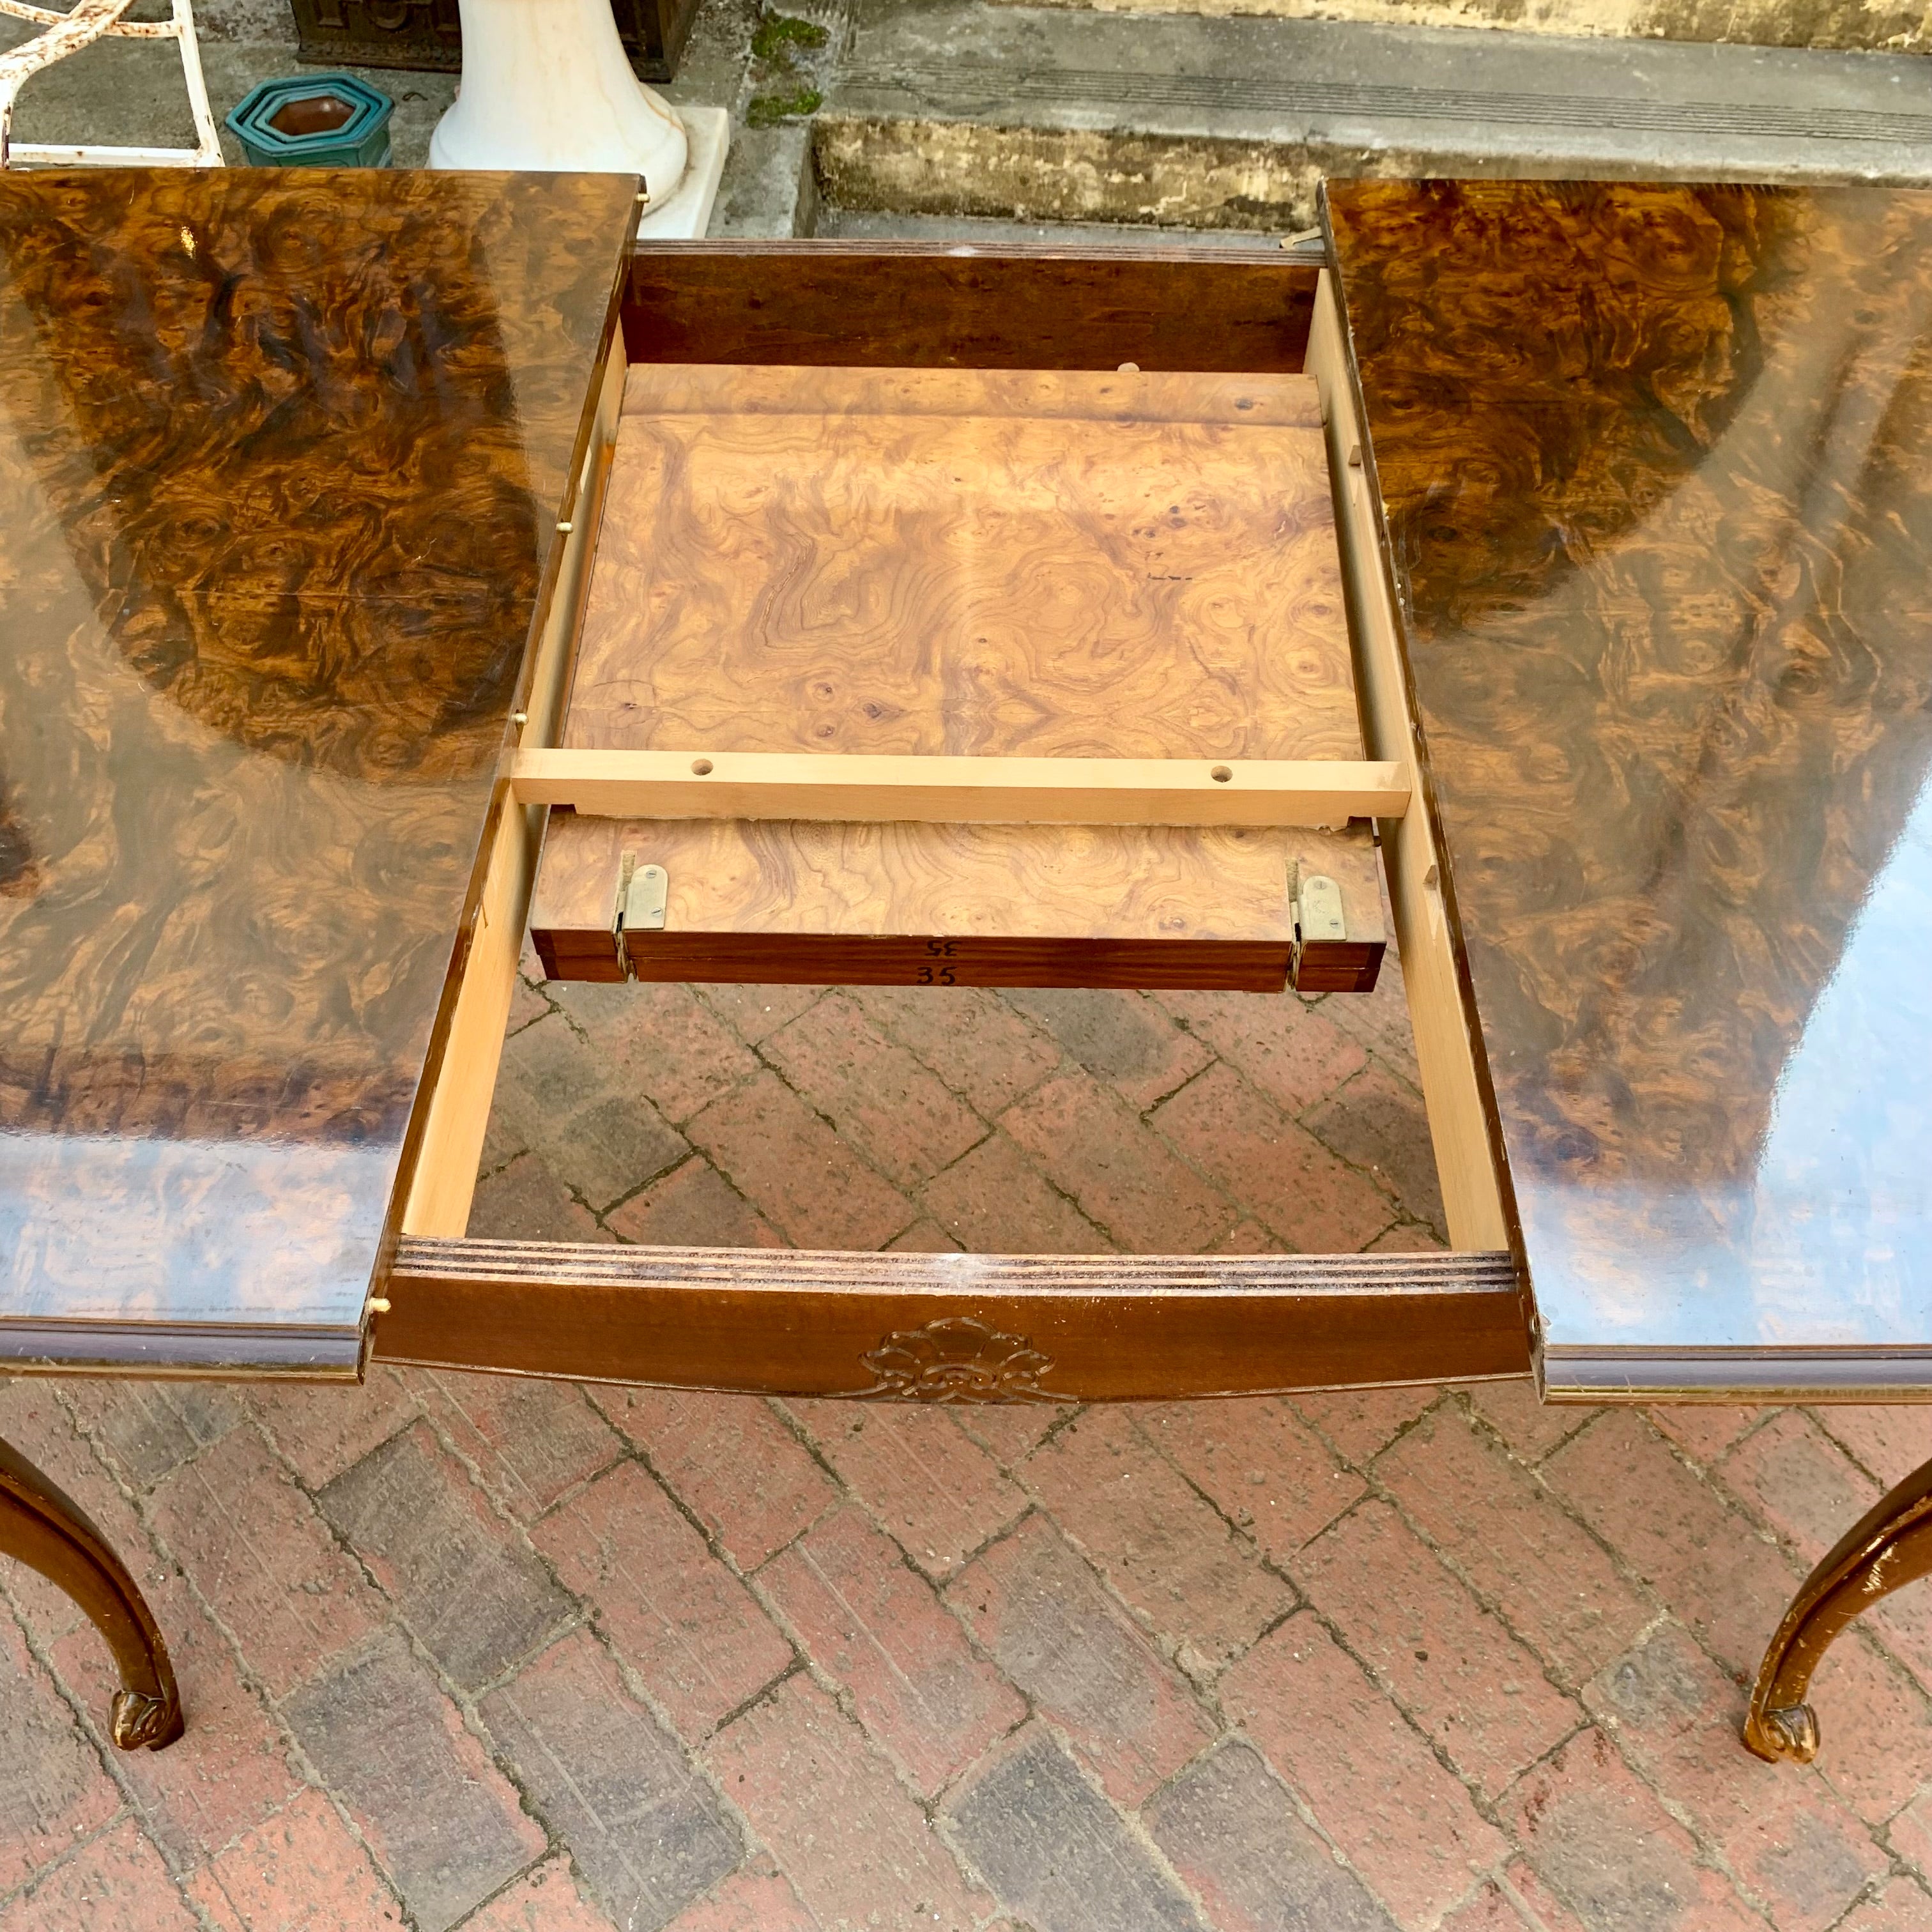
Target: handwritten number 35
(938, 976)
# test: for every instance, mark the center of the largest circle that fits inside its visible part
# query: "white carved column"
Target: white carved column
(546, 86)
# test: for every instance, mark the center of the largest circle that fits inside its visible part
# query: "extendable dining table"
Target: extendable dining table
(1531, 583)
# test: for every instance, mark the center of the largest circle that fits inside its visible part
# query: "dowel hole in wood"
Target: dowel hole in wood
(701, 767)
(1221, 774)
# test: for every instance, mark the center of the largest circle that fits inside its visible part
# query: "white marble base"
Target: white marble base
(686, 215)
(546, 84)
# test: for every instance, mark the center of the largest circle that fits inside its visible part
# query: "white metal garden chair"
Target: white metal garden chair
(88, 21)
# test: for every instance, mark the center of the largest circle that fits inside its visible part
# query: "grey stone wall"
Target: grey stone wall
(1848, 25)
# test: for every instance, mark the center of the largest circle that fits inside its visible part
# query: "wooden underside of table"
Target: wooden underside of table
(1053, 566)
(961, 1327)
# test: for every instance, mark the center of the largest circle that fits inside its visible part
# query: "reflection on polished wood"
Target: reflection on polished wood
(43, 1528)
(1656, 463)
(282, 456)
(1889, 1546)
(943, 563)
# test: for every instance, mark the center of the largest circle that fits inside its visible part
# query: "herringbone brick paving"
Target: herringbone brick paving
(498, 1654)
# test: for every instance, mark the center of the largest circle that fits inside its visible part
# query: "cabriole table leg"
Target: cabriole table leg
(47, 1530)
(1890, 1545)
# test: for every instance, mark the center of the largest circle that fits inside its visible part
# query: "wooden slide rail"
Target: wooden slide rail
(839, 786)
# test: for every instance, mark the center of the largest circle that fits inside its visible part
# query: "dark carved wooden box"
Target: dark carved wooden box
(427, 35)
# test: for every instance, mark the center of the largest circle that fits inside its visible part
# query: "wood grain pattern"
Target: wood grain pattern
(909, 304)
(966, 584)
(992, 905)
(1113, 1327)
(281, 466)
(1656, 465)
(938, 563)
(1250, 399)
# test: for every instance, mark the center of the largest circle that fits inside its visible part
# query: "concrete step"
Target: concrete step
(1890, 26)
(972, 231)
(955, 107)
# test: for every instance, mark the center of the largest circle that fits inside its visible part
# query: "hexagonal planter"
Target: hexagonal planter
(318, 120)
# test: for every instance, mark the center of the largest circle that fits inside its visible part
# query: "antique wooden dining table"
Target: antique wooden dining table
(1623, 493)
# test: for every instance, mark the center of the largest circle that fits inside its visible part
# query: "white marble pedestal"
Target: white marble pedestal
(686, 214)
(546, 86)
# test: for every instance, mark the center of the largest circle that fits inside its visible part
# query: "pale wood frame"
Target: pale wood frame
(615, 782)
(1445, 1022)
(465, 1082)
(841, 787)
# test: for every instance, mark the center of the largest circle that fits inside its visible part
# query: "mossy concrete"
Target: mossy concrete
(1845, 25)
(959, 108)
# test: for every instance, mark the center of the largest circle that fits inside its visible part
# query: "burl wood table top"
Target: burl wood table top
(281, 454)
(1657, 463)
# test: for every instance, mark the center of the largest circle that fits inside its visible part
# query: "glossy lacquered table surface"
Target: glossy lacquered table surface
(281, 454)
(1657, 468)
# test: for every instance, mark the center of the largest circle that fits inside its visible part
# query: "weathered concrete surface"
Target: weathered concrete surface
(1065, 174)
(955, 107)
(770, 188)
(1890, 26)
(852, 224)
(942, 109)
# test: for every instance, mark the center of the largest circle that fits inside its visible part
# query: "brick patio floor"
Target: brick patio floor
(507, 1654)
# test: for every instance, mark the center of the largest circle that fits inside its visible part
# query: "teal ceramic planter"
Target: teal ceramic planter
(318, 120)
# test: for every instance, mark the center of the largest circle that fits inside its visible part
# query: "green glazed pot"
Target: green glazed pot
(318, 121)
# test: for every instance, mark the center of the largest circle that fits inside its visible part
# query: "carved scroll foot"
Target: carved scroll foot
(46, 1529)
(1792, 1732)
(1889, 1546)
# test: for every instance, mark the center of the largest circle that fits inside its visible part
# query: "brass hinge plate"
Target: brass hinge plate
(1318, 910)
(645, 895)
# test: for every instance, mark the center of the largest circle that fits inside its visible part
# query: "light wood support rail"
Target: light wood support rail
(1446, 1038)
(464, 1079)
(835, 787)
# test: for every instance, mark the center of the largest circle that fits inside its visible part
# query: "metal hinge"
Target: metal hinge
(642, 893)
(1318, 910)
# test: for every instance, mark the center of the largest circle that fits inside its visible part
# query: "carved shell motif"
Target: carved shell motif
(957, 1359)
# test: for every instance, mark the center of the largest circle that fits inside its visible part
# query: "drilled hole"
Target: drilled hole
(1221, 774)
(701, 767)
